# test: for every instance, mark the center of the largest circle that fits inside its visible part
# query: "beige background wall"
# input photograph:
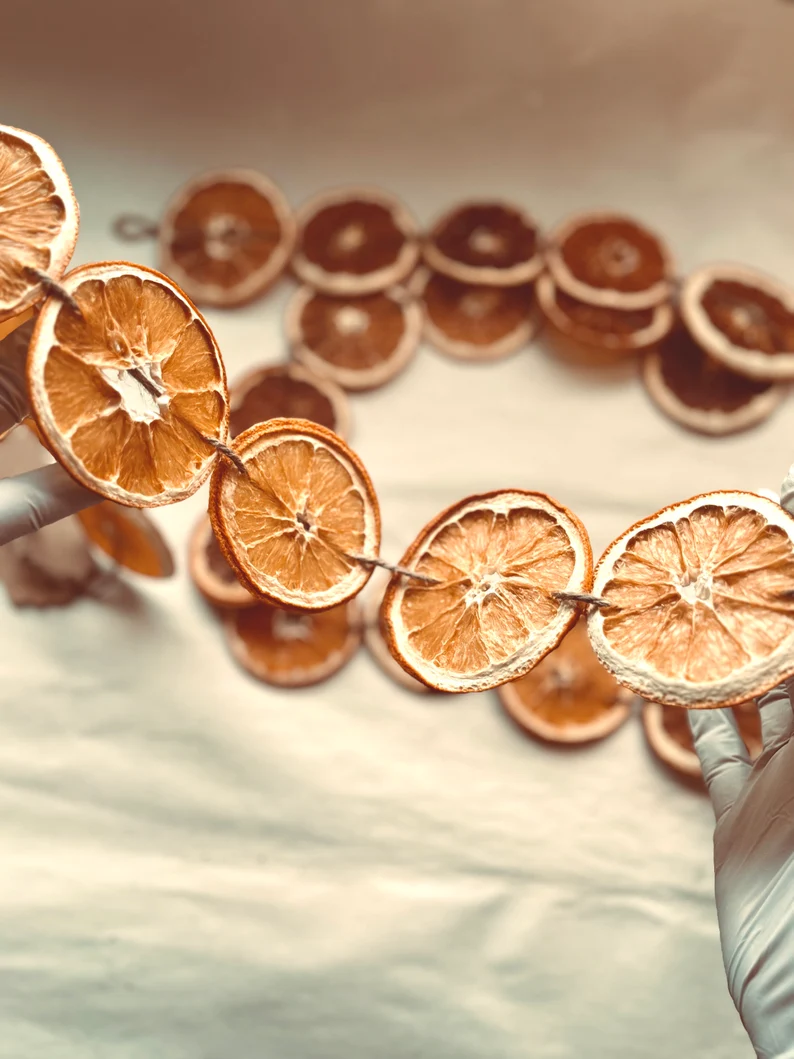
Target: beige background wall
(195, 867)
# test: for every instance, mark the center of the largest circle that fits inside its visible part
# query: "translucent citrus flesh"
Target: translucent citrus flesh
(33, 215)
(291, 646)
(496, 572)
(487, 236)
(701, 382)
(280, 395)
(354, 236)
(224, 233)
(569, 688)
(117, 430)
(216, 561)
(127, 536)
(475, 314)
(614, 254)
(357, 333)
(298, 516)
(700, 597)
(749, 317)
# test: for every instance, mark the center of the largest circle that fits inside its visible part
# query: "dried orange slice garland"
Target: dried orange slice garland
(127, 389)
(485, 243)
(376, 636)
(212, 575)
(298, 516)
(700, 611)
(39, 225)
(492, 613)
(129, 537)
(293, 650)
(355, 241)
(287, 391)
(743, 319)
(473, 321)
(360, 342)
(568, 697)
(702, 394)
(226, 236)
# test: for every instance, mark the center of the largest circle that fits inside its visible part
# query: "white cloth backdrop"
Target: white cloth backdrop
(197, 867)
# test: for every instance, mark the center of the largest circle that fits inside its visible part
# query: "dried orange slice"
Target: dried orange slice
(490, 243)
(292, 524)
(361, 342)
(129, 537)
(670, 737)
(293, 649)
(568, 697)
(492, 614)
(93, 377)
(227, 236)
(471, 322)
(375, 634)
(611, 260)
(355, 241)
(700, 393)
(40, 219)
(211, 573)
(742, 318)
(600, 327)
(287, 391)
(701, 601)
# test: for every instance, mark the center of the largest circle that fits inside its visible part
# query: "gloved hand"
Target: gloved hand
(38, 498)
(754, 858)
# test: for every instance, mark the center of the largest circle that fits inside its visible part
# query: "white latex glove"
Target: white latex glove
(38, 498)
(754, 858)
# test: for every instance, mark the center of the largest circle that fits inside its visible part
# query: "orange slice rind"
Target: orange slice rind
(40, 219)
(375, 634)
(498, 560)
(670, 738)
(103, 425)
(568, 697)
(292, 524)
(699, 613)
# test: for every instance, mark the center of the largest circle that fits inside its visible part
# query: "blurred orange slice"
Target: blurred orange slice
(670, 737)
(294, 523)
(375, 635)
(129, 537)
(742, 318)
(227, 236)
(40, 219)
(293, 650)
(360, 342)
(610, 260)
(287, 391)
(568, 697)
(355, 240)
(211, 573)
(475, 322)
(701, 394)
(492, 614)
(600, 327)
(93, 377)
(701, 601)
(490, 243)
